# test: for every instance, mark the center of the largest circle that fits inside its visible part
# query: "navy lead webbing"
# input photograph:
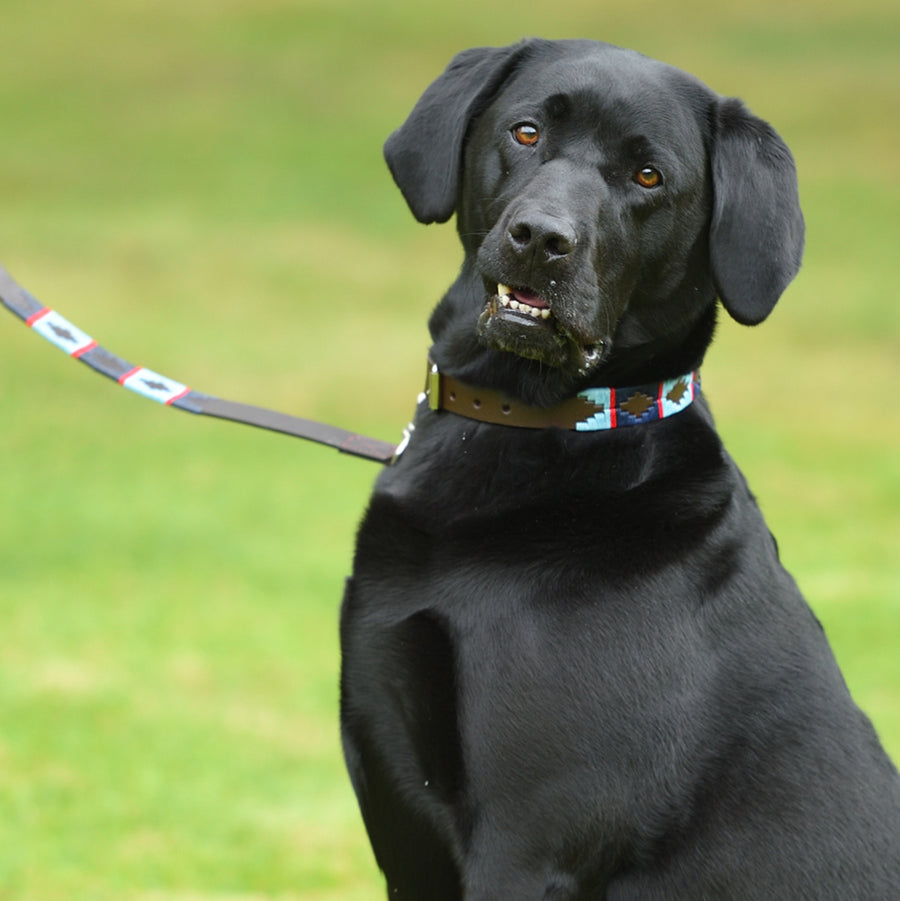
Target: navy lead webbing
(76, 343)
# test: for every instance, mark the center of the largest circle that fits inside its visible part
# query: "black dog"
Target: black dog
(573, 666)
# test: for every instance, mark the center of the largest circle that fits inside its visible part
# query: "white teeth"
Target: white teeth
(505, 295)
(527, 309)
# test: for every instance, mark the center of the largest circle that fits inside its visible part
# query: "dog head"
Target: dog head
(604, 200)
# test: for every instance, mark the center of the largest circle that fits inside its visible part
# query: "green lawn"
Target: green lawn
(199, 185)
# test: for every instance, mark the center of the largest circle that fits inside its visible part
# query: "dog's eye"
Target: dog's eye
(525, 133)
(648, 177)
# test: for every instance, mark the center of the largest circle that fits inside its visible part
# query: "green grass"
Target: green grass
(200, 186)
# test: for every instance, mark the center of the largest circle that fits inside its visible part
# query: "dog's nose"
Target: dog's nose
(545, 237)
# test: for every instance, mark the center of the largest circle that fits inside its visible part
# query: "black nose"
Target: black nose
(544, 237)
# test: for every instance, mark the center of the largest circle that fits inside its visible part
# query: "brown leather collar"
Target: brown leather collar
(593, 409)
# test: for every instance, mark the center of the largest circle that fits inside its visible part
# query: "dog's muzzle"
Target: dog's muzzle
(521, 321)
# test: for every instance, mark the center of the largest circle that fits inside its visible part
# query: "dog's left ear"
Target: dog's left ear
(756, 232)
(425, 153)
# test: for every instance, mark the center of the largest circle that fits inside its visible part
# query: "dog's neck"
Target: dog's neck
(590, 410)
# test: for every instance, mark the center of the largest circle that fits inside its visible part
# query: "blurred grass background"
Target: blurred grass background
(199, 185)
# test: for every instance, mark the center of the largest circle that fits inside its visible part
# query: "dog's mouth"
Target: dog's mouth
(522, 302)
(521, 321)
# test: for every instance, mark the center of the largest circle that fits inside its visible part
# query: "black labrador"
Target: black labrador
(573, 666)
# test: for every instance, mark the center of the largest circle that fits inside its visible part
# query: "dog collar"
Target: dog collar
(591, 410)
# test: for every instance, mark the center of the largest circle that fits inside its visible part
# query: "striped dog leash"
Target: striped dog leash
(81, 346)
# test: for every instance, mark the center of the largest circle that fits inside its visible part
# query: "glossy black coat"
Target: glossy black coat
(573, 665)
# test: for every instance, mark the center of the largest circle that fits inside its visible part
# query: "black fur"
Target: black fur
(573, 666)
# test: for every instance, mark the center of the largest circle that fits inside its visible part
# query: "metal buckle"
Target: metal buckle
(433, 386)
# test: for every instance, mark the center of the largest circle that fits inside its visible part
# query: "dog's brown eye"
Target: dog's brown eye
(648, 177)
(526, 134)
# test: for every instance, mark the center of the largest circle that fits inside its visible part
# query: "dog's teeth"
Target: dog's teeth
(506, 298)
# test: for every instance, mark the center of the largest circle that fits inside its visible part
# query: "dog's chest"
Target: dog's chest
(543, 673)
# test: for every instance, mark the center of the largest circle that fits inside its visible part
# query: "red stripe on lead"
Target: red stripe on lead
(659, 401)
(172, 400)
(83, 350)
(612, 408)
(35, 317)
(124, 378)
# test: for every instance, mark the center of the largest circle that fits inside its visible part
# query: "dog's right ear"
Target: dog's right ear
(425, 153)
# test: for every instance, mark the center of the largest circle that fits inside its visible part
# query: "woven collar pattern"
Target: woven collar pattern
(621, 407)
(591, 410)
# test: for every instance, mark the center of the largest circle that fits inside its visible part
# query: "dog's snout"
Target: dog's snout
(544, 237)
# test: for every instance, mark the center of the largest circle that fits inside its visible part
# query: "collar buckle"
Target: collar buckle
(433, 387)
